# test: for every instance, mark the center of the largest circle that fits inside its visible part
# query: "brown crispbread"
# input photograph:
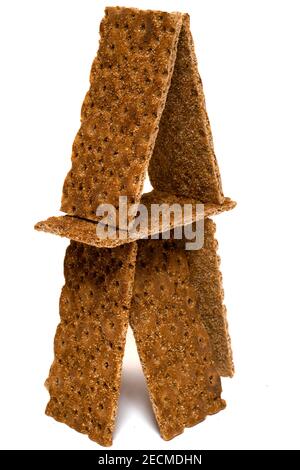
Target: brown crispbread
(183, 160)
(129, 82)
(79, 230)
(207, 281)
(84, 231)
(172, 343)
(145, 111)
(84, 379)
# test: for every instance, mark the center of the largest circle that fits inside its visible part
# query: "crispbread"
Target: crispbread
(84, 380)
(84, 231)
(172, 343)
(207, 281)
(183, 160)
(129, 82)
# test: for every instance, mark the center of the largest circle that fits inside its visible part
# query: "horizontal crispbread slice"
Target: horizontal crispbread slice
(172, 342)
(183, 160)
(129, 81)
(207, 281)
(84, 231)
(84, 379)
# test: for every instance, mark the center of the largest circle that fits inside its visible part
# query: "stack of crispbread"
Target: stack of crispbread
(144, 111)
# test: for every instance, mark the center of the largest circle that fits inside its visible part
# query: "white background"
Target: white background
(248, 55)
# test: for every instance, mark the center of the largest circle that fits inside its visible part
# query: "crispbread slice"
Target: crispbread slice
(84, 379)
(84, 231)
(129, 82)
(183, 160)
(172, 343)
(207, 281)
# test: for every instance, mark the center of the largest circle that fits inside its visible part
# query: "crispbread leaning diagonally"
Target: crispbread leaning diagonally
(84, 379)
(183, 160)
(172, 343)
(129, 82)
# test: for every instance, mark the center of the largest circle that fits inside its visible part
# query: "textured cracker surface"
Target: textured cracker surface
(80, 230)
(84, 231)
(207, 281)
(84, 379)
(183, 160)
(172, 343)
(129, 81)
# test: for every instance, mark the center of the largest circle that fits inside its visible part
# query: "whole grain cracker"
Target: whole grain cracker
(84, 231)
(129, 82)
(207, 281)
(172, 343)
(84, 379)
(183, 160)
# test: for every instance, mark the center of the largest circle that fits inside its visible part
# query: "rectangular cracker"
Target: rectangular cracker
(129, 81)
(84, 231)
(207, 281)
(172, 343)
(183, 160)
(84, 379)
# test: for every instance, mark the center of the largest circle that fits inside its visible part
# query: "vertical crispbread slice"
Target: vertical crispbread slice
(84, 379)
(129, 82)
(207, 281)
(183, 160)
(172, 343)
